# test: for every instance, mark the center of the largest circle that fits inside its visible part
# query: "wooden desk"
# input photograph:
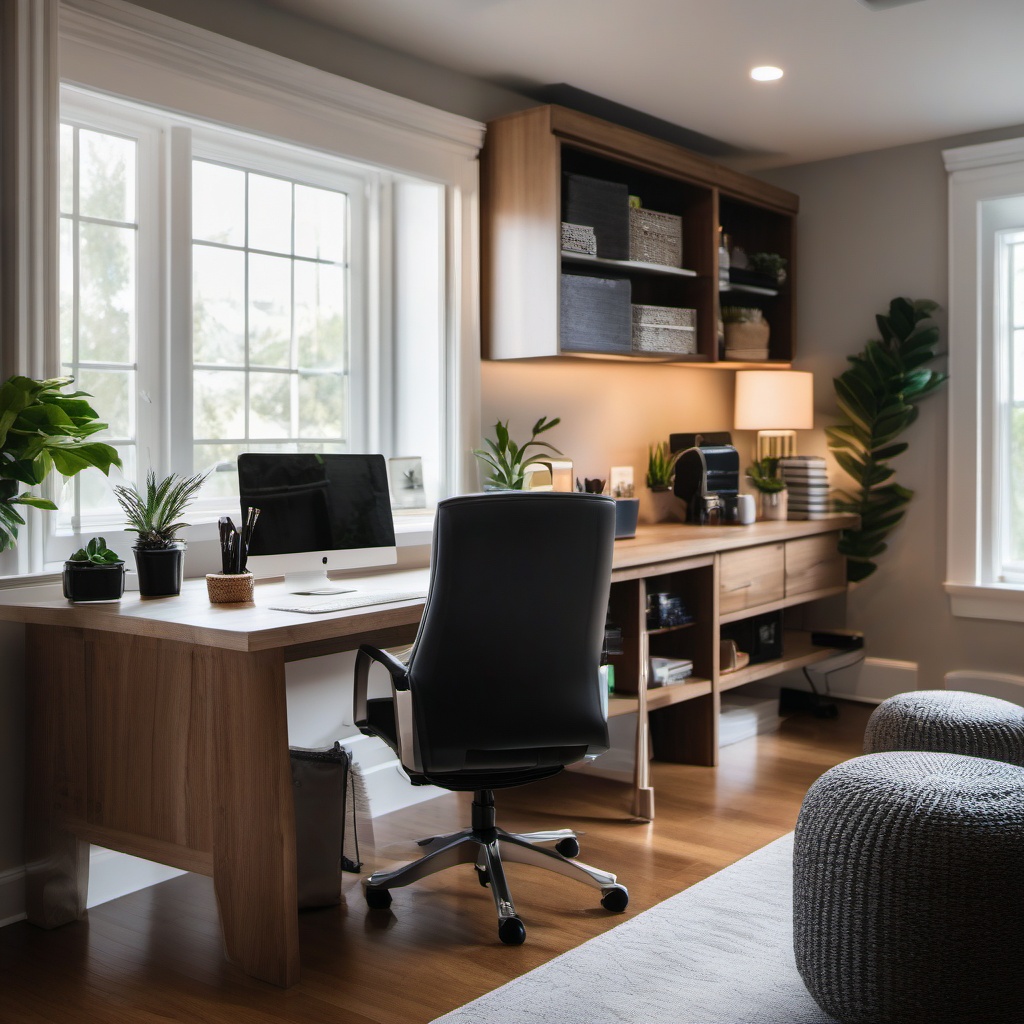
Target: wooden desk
(158, 727)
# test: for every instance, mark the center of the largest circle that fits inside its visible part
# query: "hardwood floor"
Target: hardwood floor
(156, 955)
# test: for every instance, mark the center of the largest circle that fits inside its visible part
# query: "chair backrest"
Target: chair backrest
(504, 671)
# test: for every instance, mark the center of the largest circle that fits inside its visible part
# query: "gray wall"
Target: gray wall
(872, 227)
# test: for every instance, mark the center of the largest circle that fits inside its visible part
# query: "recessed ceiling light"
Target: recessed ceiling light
(766, 74)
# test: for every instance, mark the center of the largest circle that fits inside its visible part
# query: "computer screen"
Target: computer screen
(317, 513)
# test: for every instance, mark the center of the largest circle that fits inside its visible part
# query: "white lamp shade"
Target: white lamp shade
(774, 400)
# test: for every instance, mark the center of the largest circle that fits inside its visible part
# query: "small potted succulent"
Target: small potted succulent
(154, 516)
(771, 488)
(94, 573)
(507, 460)
(662, 504)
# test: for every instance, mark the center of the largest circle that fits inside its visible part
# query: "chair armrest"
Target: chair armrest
(365, 657)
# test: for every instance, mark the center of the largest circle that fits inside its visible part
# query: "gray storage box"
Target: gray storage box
(602, 205)
(595, 314)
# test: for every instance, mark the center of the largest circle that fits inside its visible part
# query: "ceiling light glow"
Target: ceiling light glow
(766, 74)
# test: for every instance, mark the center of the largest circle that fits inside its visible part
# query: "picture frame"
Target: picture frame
(405, 476)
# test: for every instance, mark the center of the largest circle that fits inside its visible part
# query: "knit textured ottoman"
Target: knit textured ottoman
(908, 890)
(951, 721)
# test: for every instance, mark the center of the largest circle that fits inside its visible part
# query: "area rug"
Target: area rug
(720, 952)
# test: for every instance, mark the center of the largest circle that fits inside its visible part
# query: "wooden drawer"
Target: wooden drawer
(813, 563)
(750, 577)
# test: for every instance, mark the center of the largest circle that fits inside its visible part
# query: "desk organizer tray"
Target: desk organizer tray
(595, 314)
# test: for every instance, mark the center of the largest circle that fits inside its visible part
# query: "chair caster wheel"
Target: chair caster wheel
(512, 931)
(568, 847)
(483, 876)
(378, 899)
(615, 898)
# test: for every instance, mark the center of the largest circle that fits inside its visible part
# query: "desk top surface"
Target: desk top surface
(191, 618)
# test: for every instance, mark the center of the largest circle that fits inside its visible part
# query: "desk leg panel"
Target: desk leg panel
(253, 811)
(57, 861)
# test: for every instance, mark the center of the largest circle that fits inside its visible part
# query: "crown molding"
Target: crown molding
(986, 154)
(120, 29)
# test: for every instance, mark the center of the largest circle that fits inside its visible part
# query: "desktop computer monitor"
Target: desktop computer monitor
(317, 512)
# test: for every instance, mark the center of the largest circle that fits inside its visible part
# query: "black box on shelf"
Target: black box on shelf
(604, 206)
(760, 636)
(595, 314)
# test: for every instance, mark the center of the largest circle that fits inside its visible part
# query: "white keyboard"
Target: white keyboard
(310, 605)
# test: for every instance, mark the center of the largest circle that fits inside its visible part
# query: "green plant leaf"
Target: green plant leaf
(846, 435)
(857, 570)
(35, 501)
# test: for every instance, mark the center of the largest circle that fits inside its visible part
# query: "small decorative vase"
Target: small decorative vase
(774, 504)
(160, 570)
(230, 588)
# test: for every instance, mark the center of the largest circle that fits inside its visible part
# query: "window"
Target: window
(222, 293)
(985, 549)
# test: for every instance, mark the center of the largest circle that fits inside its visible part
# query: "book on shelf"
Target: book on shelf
(665, 671)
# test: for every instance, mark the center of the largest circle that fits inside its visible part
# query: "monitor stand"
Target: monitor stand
(316, 583)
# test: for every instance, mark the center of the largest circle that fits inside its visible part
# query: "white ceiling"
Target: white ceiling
(856, 79)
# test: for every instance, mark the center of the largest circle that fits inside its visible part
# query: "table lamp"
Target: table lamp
(775, 403)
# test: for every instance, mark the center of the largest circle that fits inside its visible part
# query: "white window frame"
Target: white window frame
(978, 177)
(116, 48)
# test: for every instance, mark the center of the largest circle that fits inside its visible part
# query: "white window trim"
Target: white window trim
(117, 48)
(977, 174)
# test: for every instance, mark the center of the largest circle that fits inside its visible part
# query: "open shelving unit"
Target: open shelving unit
(723, 576)
(525, 160)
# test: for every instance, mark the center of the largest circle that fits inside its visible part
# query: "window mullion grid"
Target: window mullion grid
(76, 210)
(293, 348)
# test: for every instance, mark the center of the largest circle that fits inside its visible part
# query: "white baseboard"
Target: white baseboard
(870, 682)
(12, 896)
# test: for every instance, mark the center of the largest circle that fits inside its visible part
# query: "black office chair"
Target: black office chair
(502, 686)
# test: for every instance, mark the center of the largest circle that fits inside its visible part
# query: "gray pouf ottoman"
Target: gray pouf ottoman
(951, 721)
(908, 890)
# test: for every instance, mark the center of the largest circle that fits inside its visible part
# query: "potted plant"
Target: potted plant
(661, 468)
(746, 332)
(771, 264)
(771, 488)
(507, 460)
(94, 573)
(42, 429)
(154, 516)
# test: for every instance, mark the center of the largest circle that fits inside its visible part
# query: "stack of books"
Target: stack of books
(807, 482)
(665, 671)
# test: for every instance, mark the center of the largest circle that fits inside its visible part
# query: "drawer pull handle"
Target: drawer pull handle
(741, 586)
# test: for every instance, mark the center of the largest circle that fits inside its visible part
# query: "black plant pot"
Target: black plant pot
(85, 582)
(160, 570)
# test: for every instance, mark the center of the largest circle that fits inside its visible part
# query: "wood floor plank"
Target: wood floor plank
(156, 955)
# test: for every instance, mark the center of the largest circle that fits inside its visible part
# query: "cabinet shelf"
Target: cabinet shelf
(798, 651)
(524, 164)
(633, 266)
(748, 289)
(672, 629)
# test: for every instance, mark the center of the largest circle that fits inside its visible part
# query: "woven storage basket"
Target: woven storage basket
(229, 589)
(664, 316)
(579, 238)
(664, 329)
(655, 237)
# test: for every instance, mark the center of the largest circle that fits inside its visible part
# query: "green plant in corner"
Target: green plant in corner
(43, 429)
(95, 553)
(154, 516)
(764, 476)
(508, 460)
(661, 466)
(877, 396)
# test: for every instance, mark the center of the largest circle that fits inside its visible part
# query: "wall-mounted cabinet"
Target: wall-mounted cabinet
(527, 160)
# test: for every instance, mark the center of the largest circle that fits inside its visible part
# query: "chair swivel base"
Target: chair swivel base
(484, 845)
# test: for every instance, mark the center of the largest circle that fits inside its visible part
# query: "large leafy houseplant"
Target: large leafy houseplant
(42, 428)
(878, 395)
(507, 460)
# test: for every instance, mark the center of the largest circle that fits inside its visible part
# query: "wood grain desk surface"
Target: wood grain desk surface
(191, 618)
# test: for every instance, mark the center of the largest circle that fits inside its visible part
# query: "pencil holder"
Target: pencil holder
(234, 588)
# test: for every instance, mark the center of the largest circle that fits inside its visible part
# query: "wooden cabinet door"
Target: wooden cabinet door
(750, 577)
(813, 563)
